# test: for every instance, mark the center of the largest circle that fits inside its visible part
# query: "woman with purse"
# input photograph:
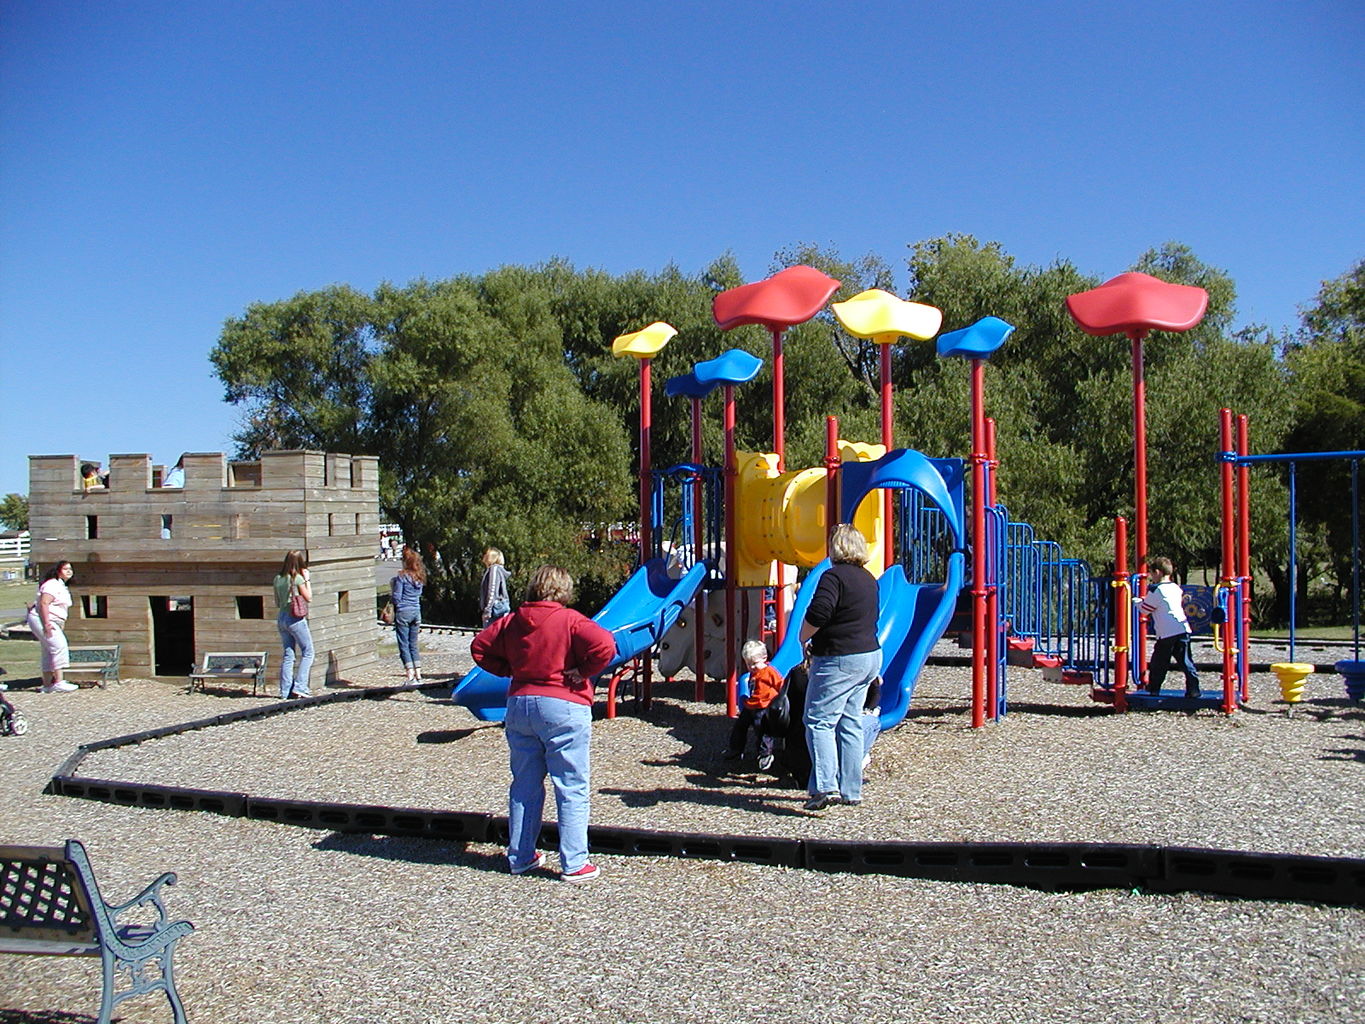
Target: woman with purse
(293, 592)
(405, 591)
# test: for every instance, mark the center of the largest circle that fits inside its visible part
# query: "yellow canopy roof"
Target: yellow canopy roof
(883, 317)
(644, 343)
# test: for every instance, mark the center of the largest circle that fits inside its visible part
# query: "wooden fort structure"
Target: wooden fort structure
(170, 573)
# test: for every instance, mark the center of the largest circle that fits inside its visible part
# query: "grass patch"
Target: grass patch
(20, 660)
(1305, 633)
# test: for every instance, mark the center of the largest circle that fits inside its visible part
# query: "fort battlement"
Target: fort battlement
(172, 572)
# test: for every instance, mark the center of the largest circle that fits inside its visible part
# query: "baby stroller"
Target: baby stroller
(11, 722)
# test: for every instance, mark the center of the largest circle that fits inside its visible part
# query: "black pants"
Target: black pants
(1172, 650)
(739, 733)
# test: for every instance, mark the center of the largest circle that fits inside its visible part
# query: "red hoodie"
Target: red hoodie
(538, 645)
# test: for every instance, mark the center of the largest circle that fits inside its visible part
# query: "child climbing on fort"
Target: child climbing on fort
(765, 682)
(1164, 602)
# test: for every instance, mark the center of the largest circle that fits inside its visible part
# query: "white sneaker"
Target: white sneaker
(62, 687)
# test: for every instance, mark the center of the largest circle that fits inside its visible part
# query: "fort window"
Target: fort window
(250, 606)
(166, 523)
(92, 527)
(357, 524)
(343, 601)
(331, 524)
(94, 606)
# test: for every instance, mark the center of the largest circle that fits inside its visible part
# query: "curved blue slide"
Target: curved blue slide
(637, 616)
(911, 616)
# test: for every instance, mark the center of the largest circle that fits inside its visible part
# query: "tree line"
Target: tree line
(500, 417)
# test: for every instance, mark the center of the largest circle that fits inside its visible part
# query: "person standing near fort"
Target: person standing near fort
(47, 622)
(293, 593)
(405, 590)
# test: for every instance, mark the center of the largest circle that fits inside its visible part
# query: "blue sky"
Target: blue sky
(165, 164)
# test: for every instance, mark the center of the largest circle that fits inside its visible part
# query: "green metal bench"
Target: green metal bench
(50, 904)
(100, 660)
(231, 665)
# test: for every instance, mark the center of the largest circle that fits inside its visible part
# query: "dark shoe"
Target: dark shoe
(1193, 694)
(820, 801)
(765, 761)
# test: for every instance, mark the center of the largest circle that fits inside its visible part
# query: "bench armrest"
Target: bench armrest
(152, 895)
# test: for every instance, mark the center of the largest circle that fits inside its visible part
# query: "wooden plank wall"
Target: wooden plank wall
(231, 525)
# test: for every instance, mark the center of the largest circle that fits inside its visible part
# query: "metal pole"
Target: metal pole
(698, 539)
(1229, 581)
(888, 430)
(731, 553)
(1293, 557)
(979, 546)
(1139, 652)
(1123, 613)
(1244, 553)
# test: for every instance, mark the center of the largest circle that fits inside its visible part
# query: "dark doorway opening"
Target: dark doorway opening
(172, 635)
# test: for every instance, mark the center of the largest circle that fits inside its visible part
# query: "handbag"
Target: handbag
(298, 604)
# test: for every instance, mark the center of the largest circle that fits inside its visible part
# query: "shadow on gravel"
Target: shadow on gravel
(411, 851)
(450, 735)
(44, 1017)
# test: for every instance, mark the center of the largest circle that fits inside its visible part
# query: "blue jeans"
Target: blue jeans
(406, 630)
(294, 635)
(834, 721)
(548, 735)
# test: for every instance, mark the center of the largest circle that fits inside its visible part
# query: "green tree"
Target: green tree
(14, 512)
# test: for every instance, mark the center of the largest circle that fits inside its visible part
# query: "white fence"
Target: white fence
(14, 548)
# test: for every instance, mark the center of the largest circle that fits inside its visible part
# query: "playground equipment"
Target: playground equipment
(1136, 304)
(1291, 673)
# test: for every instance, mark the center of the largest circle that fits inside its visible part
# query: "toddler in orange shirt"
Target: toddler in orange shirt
(765, 683)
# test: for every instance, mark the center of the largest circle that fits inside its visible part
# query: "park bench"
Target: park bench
(231, 665)
(50, 904)
(101, 660)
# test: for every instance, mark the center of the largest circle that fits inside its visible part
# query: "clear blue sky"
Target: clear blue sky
(165, 164)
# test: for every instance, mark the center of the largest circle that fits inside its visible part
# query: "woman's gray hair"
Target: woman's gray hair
(848, 545)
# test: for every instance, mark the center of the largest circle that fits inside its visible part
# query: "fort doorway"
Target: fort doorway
(172, 635)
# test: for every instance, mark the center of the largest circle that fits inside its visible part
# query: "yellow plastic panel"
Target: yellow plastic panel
(644, 343)
(883, 317)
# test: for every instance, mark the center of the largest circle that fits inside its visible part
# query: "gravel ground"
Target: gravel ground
(296, 925)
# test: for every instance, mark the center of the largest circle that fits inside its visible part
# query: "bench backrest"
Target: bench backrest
(230, 661)
(94, 654)
(43, 900)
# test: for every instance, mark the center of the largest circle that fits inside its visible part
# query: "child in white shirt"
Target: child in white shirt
(1164, 602)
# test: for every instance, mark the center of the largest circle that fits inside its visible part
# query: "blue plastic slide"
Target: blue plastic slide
(637, 616)
(911, 616)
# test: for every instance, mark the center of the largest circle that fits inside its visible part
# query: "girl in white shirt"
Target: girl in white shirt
(47, 621)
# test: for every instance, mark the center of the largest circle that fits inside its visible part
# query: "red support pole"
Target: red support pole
(1123, 613)
(832, 463)
(888, 435)
(731, 554)
(992, 591)
(979, 554)
(1244, 549)
(1229, 580)
(1139, 653)
(698, 539)
(780, 448)
(646, 508)
(646, 488)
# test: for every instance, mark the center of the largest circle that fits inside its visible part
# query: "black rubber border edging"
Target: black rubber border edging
(1070, 867)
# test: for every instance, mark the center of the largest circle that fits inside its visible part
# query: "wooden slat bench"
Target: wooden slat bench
(231, 665)
(50, 904)
(99, 660)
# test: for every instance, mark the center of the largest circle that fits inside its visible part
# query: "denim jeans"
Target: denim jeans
(548, 735)
(834, 721)
(1168, 651)
(406, 630)
(294, 635)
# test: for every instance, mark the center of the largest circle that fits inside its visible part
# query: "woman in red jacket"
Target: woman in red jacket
(551, 652)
